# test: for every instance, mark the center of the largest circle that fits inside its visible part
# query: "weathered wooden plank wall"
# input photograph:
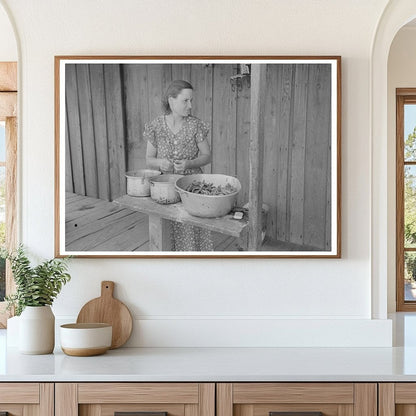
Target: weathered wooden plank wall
(224, 122)
(100, 130)
(108, 106)
(73, 124)
(297, 159)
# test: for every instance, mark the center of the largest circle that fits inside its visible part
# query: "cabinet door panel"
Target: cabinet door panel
(105, 399)
(397, 399)
(27, 399)
(331, 399)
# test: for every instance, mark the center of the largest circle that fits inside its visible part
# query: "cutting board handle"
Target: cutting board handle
(107, 289)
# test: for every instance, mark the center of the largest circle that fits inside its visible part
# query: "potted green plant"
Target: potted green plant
(36, 289)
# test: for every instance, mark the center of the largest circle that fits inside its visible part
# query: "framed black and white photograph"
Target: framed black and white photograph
(198, 156)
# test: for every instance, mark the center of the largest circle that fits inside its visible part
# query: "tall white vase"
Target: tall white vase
(37, 330)
(12, 334)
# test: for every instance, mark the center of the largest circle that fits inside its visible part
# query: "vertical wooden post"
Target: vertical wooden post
(255, 198)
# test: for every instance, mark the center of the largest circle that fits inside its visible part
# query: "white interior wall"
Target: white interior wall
(401, 74)
(8, 46)
(211, 301)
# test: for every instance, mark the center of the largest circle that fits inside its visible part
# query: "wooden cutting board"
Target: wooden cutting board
(108, 310)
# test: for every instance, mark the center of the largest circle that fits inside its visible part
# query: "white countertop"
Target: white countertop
(221, 364)
(215, 364)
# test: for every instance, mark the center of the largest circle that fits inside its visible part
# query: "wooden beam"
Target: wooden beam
(8, 76)
(258, 93)
(8, 105)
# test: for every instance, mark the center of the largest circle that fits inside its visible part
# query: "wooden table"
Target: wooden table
(161, 215)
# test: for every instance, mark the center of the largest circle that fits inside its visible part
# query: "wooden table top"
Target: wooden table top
(176, 212)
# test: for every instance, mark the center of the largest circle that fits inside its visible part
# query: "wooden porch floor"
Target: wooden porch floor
(96, 225)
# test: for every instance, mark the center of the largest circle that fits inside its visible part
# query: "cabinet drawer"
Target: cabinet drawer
(149, 399)
(309, 399)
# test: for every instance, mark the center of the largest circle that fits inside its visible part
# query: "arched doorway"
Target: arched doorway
(396, 15)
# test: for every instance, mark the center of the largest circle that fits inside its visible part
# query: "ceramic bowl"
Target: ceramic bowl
(84, 340)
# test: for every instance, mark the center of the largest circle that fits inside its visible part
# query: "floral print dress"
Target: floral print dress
(181, 145)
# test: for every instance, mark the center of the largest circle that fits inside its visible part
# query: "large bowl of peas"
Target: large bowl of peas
(208, 195)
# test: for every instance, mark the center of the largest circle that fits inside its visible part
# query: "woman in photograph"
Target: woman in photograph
(177, 143)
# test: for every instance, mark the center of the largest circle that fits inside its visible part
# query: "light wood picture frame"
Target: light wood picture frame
(272, 122)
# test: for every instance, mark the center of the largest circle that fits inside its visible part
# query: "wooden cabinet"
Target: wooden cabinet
(106, 399)
(297, 399)
(208, 399)
(27, 399)
(397, 399)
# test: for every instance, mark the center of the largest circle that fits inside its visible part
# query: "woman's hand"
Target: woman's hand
(166, 165)
(181, 165)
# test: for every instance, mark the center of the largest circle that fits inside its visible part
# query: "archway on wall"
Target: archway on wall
(401, 108)
(395, 16)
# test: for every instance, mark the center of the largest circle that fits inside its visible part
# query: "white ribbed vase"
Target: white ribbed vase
(37, 330)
